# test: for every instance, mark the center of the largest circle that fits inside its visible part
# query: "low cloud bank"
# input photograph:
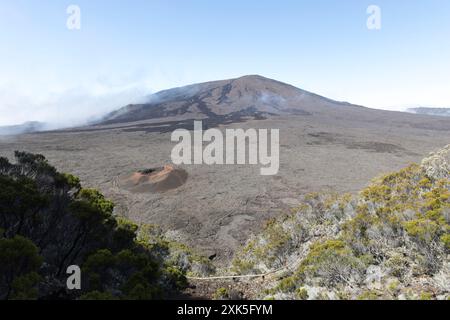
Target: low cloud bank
(68, 108)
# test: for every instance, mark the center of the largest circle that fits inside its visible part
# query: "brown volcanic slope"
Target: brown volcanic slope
(246, 98)
(323, 145)
(154, 180)
(226, 101)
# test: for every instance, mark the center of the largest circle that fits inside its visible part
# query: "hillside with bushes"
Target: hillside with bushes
(391, 241)
(48, 222)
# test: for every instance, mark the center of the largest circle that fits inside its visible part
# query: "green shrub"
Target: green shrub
(426, 296)
(302, 294)
(446, 240)
(19, 265)
(287, 284)
(369, 295)
(333, 262)
(422, 229)
(221, 294)
(97, 295)
(398, 265)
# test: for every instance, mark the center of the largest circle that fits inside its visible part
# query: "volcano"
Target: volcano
(251, 97)
(226, 101)
(154, 180)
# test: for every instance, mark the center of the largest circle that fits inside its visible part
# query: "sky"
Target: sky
(126, 50)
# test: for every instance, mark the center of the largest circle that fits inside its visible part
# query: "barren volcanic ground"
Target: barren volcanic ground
(215, 208)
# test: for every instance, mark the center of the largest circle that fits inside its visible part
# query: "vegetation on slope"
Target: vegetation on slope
(390, 241)
(49, 222)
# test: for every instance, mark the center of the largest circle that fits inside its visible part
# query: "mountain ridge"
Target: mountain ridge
(440, 112)
(221, 100)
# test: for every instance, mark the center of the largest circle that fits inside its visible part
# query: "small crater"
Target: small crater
(154, 180)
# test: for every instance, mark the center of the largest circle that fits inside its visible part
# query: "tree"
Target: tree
(49, 222)
(19, 263)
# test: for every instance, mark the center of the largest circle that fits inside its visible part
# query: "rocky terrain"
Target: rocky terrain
(324, 145)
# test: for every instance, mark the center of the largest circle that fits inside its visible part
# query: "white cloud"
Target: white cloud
(61, 107)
